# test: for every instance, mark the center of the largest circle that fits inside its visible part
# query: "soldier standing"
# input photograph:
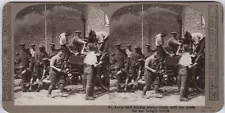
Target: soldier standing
(32, 51)
(135, 56)
(53, 50)
(119, 65)
(186, 65)
(159, 42)
(56, 74)
(174, 43)
(90, 70)
(151, 73)
(38, 65)
(148, 51)
(78, 43)
(63, 41)
(24, 56)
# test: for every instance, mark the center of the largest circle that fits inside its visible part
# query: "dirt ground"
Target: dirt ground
(76, 97)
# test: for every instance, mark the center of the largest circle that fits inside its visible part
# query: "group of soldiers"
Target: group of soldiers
(130, 63)
(34, 64)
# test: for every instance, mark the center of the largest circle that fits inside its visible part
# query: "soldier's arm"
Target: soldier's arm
(52, 64)
(147, 62)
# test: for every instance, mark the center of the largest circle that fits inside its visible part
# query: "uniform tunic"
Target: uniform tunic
(119, 57)
(38, 64)
(24, 58)
(149, 76)
(56, 76)
(63, 39)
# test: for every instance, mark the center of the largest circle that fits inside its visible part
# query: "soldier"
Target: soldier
(135, 56)
(186, 65)
(151, 73)
(25, 78)
(159, 42)
(63, 41)
(78, 43)
(32, 51)
(174, 43)
(53, 50)
(56, 73)
(90, 70)
(24, 56)
(38, 65)
(128, 50)
(148, 51)
(119, 65)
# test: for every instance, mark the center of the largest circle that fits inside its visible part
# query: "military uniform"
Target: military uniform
(53, 51)
(55, 75)
(90, 71)
(150, 77)
(24, 57)
(135, 65)
(78, 42)
(184, 74)
(119, 65)
(149, 51)
(38, 65)
(25, 78)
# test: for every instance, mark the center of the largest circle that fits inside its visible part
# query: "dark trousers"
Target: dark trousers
(183, 80)
(134, 72)
(90, 73)
(150, 78)
(25, 78)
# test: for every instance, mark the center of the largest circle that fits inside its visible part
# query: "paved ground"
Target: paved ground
(76, 97)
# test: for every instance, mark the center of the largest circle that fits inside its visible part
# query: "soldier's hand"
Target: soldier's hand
(59, 70)
(154, 71)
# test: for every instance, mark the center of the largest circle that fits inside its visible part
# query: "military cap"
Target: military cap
(22, 44)
(78, 31)
(137, 47)
(118, 44)
(32, 44)
(173, 32)
(128, 45)
(147, 45)
(52, 44)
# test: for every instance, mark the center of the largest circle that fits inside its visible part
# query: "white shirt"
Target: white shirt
(185, 59)
(63, 39)
(158, 40)
(90, 58)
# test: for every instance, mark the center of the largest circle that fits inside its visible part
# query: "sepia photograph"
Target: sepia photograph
(157, 55)
(61, 55)
(104, 57)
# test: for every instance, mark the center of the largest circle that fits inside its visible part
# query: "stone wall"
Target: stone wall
(96, 20)
(192, 21)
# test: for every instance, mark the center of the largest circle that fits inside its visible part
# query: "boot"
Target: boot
(182, 95)
(89, 94)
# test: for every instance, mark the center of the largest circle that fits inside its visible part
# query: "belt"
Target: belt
(183, 66)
